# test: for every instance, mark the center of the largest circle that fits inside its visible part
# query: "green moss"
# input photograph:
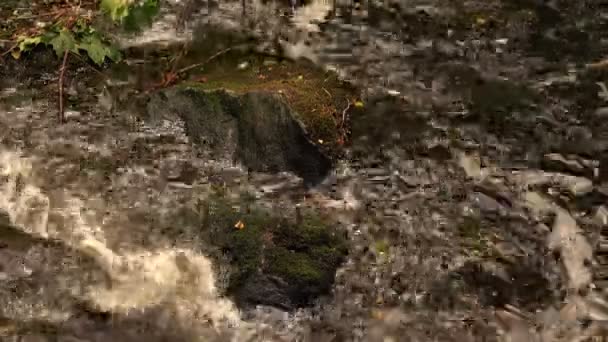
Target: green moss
(381, 246)
(295, 268)
(305, 256)
(471, 230)
(470, 227)
(317, 97)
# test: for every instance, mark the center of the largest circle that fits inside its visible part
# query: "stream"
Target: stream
(406, 174)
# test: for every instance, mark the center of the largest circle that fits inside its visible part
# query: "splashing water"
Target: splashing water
(178, 280)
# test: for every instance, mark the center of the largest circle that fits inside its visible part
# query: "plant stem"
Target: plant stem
(61, 74)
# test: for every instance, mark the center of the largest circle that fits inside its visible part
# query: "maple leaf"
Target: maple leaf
(97, 50)
(116, 9)
(62, 42)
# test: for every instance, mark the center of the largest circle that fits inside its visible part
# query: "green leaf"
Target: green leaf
(97, 49)
(28, 43)
(16, 53)
(141, 15)
(116, 9)
(63, 42)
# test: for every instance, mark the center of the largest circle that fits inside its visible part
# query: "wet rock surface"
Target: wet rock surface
(257, 129)
(473, 200)
(280, 262)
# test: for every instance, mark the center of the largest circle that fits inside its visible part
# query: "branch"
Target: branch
(88, 65)
(194, 66)
(344, 113)
(61, 73)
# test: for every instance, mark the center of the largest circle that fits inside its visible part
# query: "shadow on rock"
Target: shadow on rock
(256, 128)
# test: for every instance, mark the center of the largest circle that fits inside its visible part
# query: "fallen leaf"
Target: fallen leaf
(239, 225)
(16, 53)
(359, 104)
(320, 141)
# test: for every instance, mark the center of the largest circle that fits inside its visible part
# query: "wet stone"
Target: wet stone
(486, 204)
(275, 261)
(557, 162)
(256, 128)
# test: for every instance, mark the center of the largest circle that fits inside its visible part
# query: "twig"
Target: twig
(90, 66)
(325, 90)
(9, 50)
(194, 66)
(344, 113)
(61, 73)
(34, 16)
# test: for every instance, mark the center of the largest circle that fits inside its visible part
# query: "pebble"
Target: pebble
(601, 216)
(486, 203)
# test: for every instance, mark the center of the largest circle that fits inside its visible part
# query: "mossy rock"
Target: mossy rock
(258, 129)
(275, 262)
(316, 97)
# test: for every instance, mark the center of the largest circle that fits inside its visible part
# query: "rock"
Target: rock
(601, 216)
(567, 239)
(486, 203)
(34, 338)
(14, 238)
(576, 186)
(602, 112)
(580, 141)
(270, 62)
(178, 171)
(603, 167)
(537, 203)
(263, 289)
(275, 262)
(471, 165)
(557, 162)
(71, 114)
(256, 128)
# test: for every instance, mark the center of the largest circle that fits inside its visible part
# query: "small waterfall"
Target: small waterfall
(179, 281)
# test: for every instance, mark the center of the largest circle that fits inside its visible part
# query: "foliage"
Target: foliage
(61, 39)
(305, 255)
(72, 30)
(130, 14)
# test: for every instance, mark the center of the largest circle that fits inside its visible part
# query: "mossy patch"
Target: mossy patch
(301, 257)
(317, 97)
(475, 239)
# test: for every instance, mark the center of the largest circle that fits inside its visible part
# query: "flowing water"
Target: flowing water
(100, 242)
(179, 281)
